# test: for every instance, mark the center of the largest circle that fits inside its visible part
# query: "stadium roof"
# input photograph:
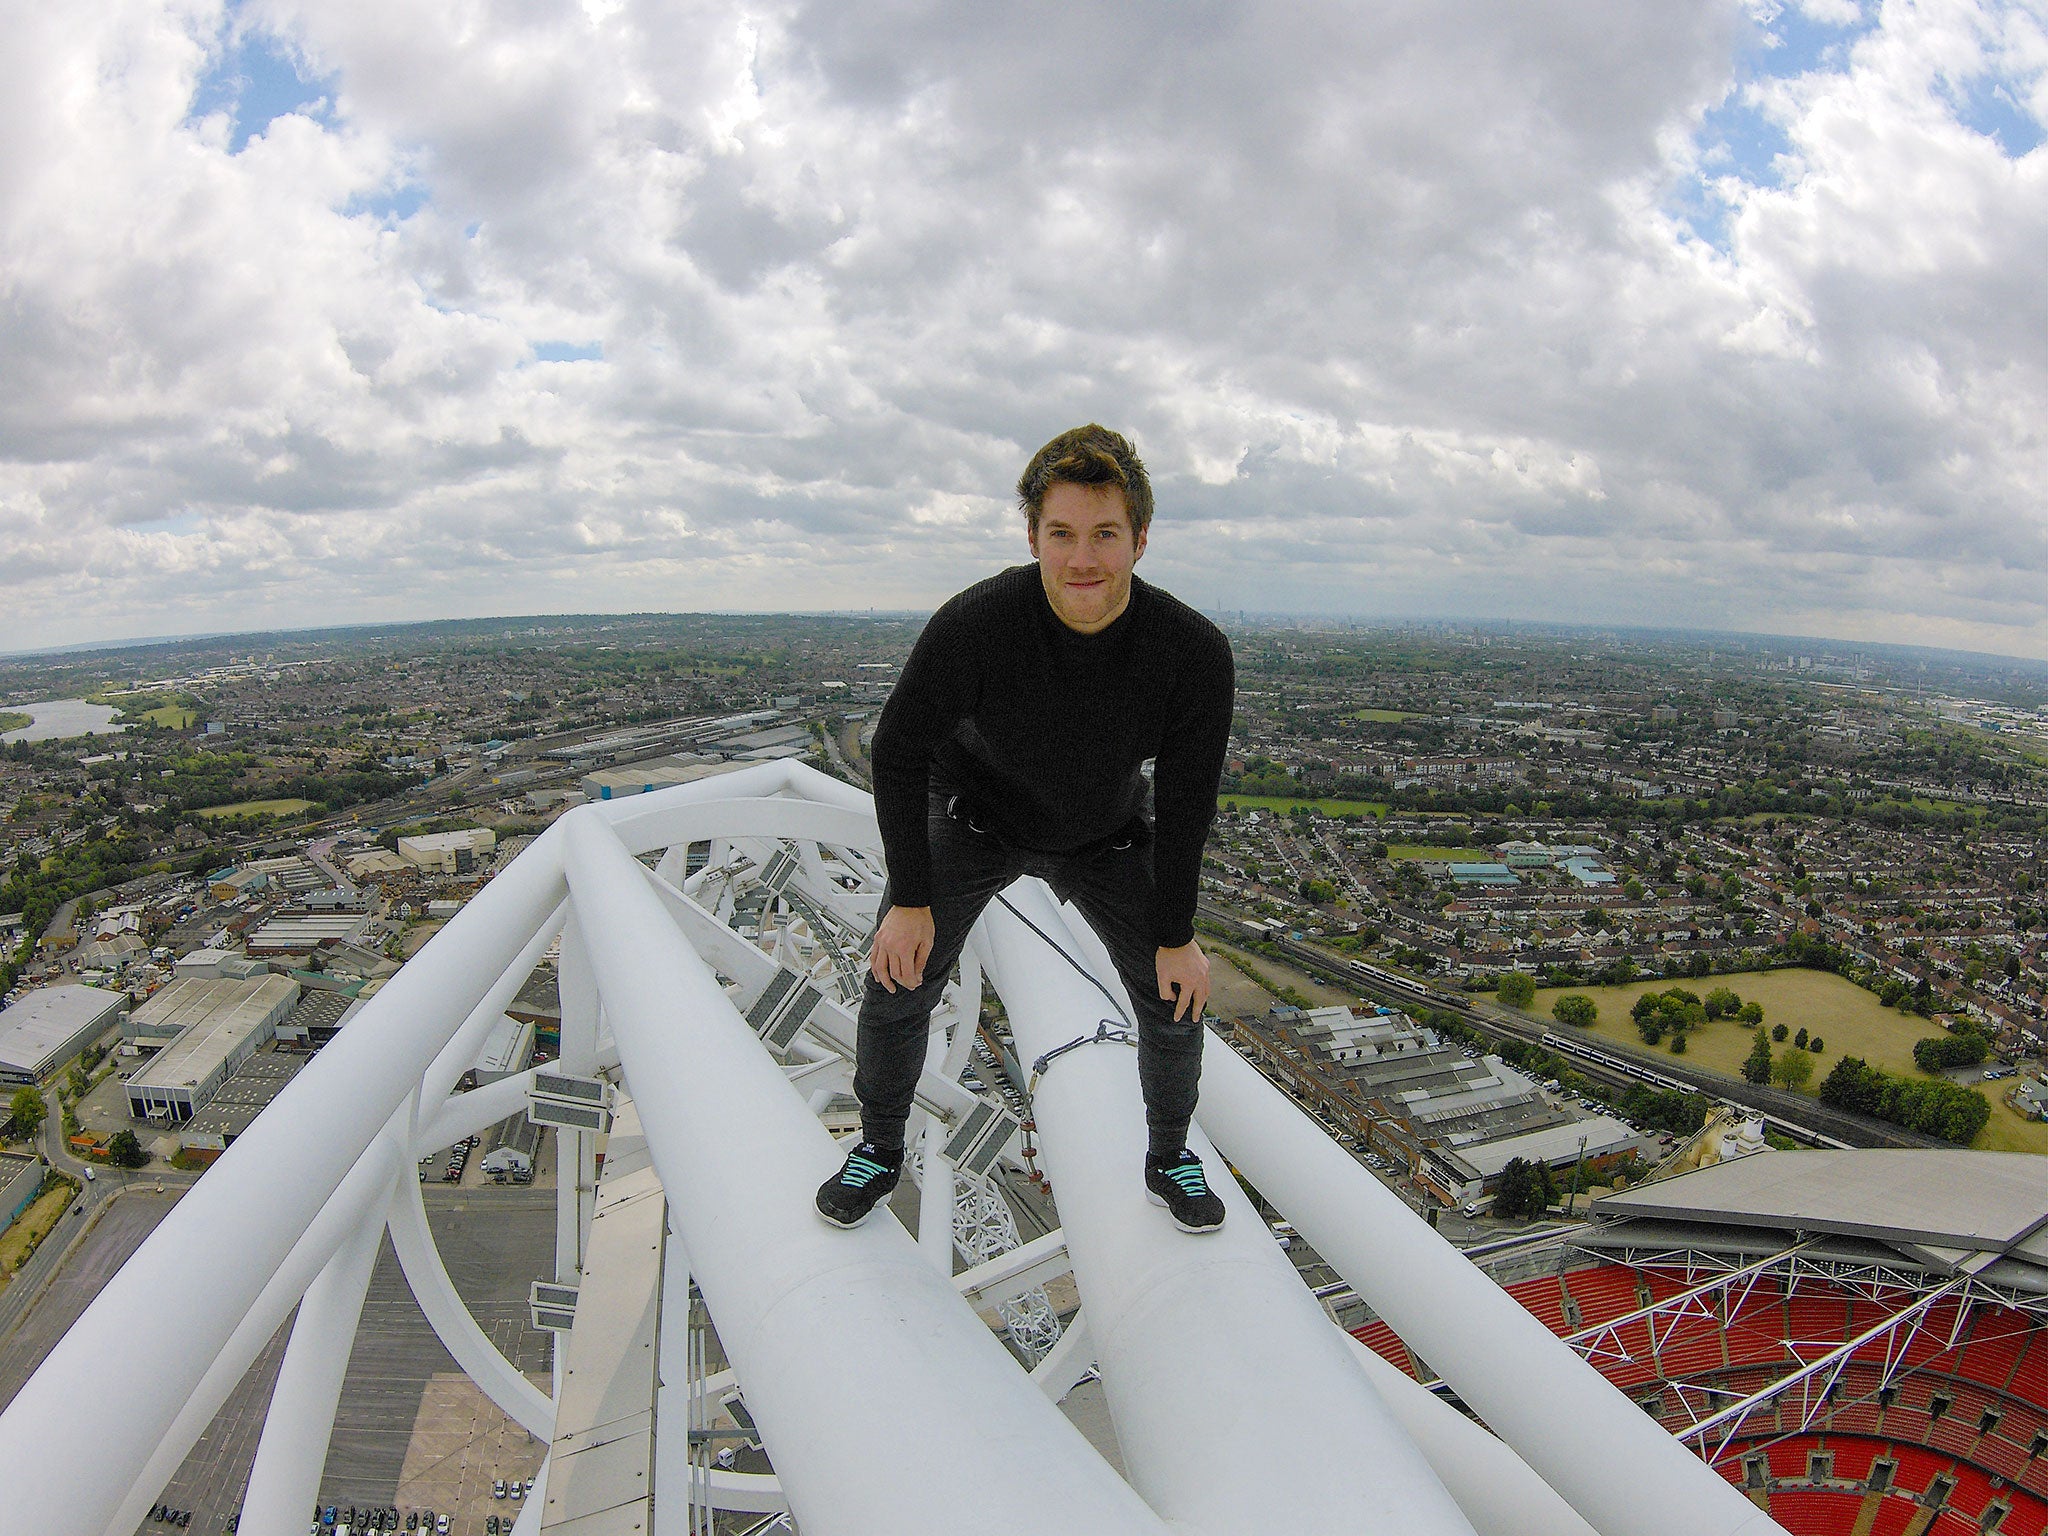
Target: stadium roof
(1984, 1213)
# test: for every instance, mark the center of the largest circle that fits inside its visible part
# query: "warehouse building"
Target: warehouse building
(49, 1026)
(21, 1180)
(450, 853)
(506, 1050)
(221, 1025)
(655, 773)
(301, 934)
(234, 1108)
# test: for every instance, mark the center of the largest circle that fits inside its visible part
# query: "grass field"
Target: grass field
(1383, 716)
(20, 1240)
(1326, 807)
(1441, 855)
(171, 717)
(15, 720)
(1847, 1018)
(260, 808)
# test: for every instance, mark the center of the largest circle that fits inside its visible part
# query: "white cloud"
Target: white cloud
(1396, 302)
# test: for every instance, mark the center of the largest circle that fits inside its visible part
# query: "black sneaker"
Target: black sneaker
(850, 1196)
(1179, 1184)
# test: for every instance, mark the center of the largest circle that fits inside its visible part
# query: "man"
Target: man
(1012, 745)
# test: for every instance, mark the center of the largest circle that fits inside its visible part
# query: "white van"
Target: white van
(91, 1173)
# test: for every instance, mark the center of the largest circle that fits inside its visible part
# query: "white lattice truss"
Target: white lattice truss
(898, 1382)
(1719, 1289)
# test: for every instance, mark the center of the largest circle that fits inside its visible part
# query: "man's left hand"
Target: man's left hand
(1184, 979)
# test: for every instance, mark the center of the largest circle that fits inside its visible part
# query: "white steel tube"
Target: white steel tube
(299, 1422)
(358, 1202)
(1500, 1495)
(63, 1464)
(459, 1054)
(851, 1346)
(1237, 1406)
(935, 1201)
(1559, 1414)
(465, 1114)
(495, 1376)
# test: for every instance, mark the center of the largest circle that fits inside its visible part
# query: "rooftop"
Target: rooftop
(47, 1018)
(215, 1017)
(1944, 1210)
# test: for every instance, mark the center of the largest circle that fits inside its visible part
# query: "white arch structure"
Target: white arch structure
(883, 1398)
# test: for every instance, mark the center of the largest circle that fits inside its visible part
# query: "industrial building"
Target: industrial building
(208, 964)
(449, 853)
(506, 1050)
(1453, 1119)
(655, 773)
(302, 933)
(21, 1176)
(50, 1026)
(239, 1100)
(221, 1025)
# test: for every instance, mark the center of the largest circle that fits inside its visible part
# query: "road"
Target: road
(23, 1290)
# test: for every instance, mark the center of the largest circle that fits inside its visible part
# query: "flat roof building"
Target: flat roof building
(21, 1180)
(452, 853)
(302, 934)
(506, 1050)
(239, 1101)
(51, 1025)
(655, 773)
(222, 1023)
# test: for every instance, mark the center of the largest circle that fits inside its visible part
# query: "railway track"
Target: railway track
(1795, 1115)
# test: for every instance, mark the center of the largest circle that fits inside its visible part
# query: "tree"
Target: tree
(1800, 1038)
(1756, 1067)
(1721, 1003)
(1779, 1032)
(1575, 1008)
(1816, 1045)
(1517, 990)
(1853, 1084)
(29, 1109)
(124, 1151)
(1525, 1189)
(1792, 1070)
(1937, 1053)
(1751, 1013)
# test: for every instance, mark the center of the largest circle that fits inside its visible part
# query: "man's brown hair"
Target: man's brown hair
(1089, 455)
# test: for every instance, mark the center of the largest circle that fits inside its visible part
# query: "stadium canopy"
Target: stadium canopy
(1941, 1213)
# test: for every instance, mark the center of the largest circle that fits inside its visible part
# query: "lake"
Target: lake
(56, 719)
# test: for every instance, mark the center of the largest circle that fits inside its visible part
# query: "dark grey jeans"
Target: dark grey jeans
(1111, 884)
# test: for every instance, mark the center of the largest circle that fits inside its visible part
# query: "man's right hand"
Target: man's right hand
(902, 945)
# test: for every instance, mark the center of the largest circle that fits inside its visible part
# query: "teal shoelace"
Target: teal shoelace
(861, 1171)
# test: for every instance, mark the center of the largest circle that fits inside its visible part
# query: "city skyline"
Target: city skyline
(1721, 317)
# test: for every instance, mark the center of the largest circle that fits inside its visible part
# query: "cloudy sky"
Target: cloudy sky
(1701, 312)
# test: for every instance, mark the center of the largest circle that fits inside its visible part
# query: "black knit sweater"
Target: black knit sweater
(1042, 730)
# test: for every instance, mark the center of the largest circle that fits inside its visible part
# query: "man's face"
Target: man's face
(1085, 552)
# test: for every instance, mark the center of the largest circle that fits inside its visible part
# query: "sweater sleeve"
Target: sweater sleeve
(1184, 783)
(932, 696)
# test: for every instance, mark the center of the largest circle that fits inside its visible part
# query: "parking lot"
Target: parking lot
(410, 1431)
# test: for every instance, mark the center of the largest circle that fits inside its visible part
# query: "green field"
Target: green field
(1288, 803)
(260, 808)
(171, 717)
(1383, 716)
(14, 720)
(1848, 1019)
(1442, 855)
